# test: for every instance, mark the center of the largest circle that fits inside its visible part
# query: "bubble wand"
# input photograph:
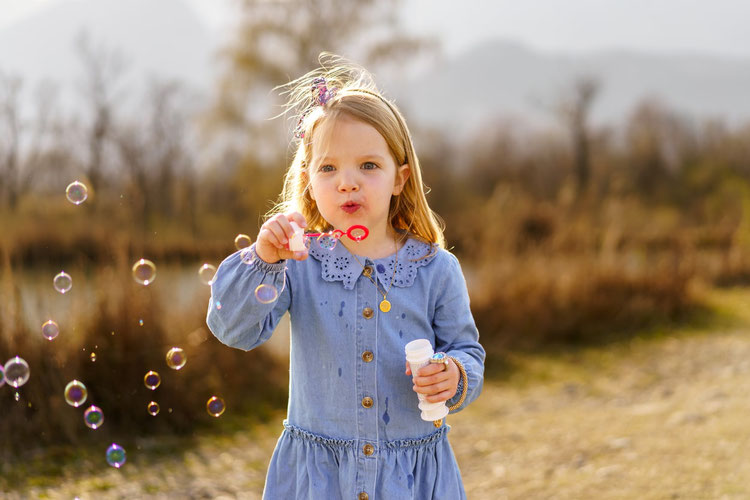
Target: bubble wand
(327, 240)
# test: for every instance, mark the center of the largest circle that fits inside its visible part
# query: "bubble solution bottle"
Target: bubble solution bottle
(418, 354)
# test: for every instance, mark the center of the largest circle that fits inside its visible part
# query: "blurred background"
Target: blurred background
(591, 160)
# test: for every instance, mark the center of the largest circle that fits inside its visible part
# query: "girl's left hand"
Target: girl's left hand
(437, 383)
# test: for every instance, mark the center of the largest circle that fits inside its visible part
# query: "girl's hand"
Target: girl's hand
(436, 383)
(272, 244)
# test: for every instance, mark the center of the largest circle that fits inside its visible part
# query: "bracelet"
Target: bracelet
(465, 379)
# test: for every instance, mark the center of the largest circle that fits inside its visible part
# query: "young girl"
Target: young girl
(353, 429)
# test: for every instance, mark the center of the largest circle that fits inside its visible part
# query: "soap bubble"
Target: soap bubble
(63, 282)
(76, 192)
(242, 241)
(327, 242)
(144, 272)
(93, 417)
(116, 455)
(215, 406)
(50, 330)
(152, 380)
(75, 393)
(247, 256)
(153, 408)
(206, 273)
(17, 371)
(266, 293)
(176, 358)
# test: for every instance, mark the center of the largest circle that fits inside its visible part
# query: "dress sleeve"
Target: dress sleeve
(455, 330)
(235, 316)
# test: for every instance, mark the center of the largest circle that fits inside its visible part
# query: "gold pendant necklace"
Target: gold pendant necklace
(385, 305)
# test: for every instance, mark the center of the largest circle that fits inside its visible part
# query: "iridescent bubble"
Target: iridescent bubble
(140, 322)
(247, 256)
(153, 408)
(176, 358)
(93, 417)
(116, 455)
(50, 330)
(206, 273)
(242, 241)
(93, 357)
(266, 293)
(2, 375)
(63, 282)
(144, 272)
(17, 371)
(152, 380)
(218, 305)
(76, 192)
(215, 406)
(75, 393)
(17, 396)
(327, 242)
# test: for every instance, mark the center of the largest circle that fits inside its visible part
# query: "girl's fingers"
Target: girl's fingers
(277, 236)
(444, 385)
(441, 396)
(286, 227)
(423, 381)
(431, 369)
(298, 218)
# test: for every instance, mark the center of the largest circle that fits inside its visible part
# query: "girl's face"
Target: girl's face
(353, 175)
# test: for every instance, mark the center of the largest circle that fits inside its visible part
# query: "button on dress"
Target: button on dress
(353, 428)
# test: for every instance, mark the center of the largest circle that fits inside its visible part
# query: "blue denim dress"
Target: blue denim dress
(353, 429)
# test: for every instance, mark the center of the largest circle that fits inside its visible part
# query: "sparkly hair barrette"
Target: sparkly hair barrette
(321, 95)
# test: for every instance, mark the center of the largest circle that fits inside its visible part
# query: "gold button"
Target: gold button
(368, 449)
(364, 496)
(367, 271)
(367, 402)
(367, 312)
(367, 356)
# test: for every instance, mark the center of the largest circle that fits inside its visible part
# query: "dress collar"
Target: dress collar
(340, 265)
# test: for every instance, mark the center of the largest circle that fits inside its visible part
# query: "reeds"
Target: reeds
(130, 331)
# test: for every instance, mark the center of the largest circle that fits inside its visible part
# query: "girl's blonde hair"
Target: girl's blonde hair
(356, 96)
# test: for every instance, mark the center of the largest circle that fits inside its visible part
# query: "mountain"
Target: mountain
(163, 39)
(167, 39)
(502, 78)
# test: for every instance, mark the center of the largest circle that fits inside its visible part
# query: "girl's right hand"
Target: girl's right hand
(272, 244)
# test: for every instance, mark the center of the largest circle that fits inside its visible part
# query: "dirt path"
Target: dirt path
(655, 419)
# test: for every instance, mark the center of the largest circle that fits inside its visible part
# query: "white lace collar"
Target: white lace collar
(339, 264)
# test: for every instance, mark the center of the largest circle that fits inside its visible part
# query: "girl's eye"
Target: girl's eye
(326, 168)
(368, 165)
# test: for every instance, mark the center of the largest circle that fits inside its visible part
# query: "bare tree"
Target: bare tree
(154, 152)
(575, 114)
(103, 69)
(278, 41)
(10, 139)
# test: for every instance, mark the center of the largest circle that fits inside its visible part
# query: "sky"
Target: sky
(716, 27)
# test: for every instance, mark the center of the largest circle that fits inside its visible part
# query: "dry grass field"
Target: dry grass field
(660, 417)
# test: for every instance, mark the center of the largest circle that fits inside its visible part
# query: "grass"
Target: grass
(642, 417)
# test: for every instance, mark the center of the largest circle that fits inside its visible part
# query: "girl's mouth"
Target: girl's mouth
(350, 207)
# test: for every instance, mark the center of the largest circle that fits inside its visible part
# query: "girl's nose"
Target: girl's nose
(347, 184)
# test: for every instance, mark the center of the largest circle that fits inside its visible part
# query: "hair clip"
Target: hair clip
(321, 95)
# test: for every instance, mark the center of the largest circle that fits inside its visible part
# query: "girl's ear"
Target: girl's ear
(402, 174)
